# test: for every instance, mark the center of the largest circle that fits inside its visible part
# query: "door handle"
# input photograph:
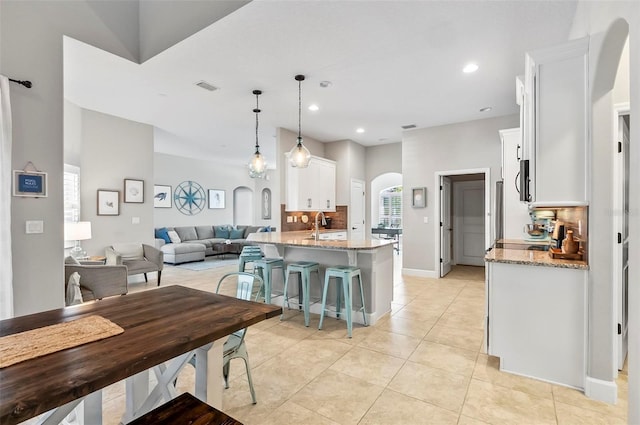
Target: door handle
(353, 228)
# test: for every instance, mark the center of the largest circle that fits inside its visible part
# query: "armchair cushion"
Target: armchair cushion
(129, 251)
(205, 232)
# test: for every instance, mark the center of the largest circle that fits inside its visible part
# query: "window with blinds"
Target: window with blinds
(390, 214)
(71, 187)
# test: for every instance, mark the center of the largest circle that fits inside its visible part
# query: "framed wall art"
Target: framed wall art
(161, 196)
(216, 198)
(419, 197)
(133, 191)
(29, 183)
(108, 202)
(266, 204)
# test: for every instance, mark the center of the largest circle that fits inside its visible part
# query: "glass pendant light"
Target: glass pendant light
(299, 156)
(257, 165)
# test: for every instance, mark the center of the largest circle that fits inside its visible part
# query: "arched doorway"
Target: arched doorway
(243, 206)
(379, 184)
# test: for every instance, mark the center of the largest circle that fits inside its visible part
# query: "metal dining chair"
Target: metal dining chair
(235, 347)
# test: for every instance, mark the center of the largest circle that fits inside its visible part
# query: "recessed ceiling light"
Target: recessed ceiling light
(408, 126)
(313, 107)
(469, 68)
(359, 130)
(325, 84)
(486, 109)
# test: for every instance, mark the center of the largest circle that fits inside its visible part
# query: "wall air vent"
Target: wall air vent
(408, 126)
(206, 86)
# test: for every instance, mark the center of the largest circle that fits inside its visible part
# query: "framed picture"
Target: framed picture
(29, 183)
(419, 197)
(108, 202)
(216, 198)
(161, 196)
(134, 191)
(266, 204)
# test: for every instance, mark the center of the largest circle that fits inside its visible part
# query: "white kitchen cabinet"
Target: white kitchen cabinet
(537, 321)
(312, 188)
(515, 214)
(556, 121)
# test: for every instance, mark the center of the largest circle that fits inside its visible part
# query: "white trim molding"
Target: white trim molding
(420, 273)
(597, 389)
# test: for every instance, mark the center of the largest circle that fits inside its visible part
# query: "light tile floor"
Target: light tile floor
(423, 364)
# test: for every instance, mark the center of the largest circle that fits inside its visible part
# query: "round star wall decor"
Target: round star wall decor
(189, 197)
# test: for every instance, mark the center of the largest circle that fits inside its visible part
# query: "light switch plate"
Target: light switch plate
(426, 219)
(135, 220)
(34, 226)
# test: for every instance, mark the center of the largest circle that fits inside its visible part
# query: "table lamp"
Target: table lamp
(78, 231)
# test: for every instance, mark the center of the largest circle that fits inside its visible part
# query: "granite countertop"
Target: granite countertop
(530, 257)
(304, 239)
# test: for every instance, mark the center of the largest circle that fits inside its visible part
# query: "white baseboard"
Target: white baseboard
(598, 389)
(420, 273)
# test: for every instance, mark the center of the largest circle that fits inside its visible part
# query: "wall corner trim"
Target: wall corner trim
(597, 389)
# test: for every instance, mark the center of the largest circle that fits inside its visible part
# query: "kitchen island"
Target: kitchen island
(374, 257)
(536, 309)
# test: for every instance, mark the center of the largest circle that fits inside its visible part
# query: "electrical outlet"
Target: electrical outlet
(34, 226)
(289, 219)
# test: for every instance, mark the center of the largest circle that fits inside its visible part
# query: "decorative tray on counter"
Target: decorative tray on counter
(558, 254)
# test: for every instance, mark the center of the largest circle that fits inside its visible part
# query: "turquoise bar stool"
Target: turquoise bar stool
(346, 274)
(249, 254)
(304, 270)
(264, 268)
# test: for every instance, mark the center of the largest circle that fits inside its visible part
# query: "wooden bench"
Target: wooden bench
(185, 410)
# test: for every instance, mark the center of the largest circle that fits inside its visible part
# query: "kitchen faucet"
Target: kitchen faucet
(324, 223)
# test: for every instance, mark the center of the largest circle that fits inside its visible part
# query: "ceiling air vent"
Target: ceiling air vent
(408, 126)
(206, 86)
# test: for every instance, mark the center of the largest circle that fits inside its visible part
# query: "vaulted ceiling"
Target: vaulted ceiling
(389, 64)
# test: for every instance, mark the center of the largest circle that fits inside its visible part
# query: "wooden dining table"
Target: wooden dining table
(159, 325)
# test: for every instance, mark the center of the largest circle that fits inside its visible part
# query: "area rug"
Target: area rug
(207, 264)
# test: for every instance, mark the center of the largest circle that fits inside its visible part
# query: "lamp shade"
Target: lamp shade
(78, 231)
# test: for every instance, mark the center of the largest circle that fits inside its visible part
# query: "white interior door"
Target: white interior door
(356, 212)
(243, 206)
(621, 263)
(468, 226)
(445, 225)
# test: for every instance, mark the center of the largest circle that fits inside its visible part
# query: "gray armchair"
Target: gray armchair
(139, 258)
(97, 282)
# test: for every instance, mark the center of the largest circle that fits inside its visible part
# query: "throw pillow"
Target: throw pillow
(71, 261)
(236, 234)
(222, 232)
(265, 229)
(163, 234)
(173, 236)
(74, 295)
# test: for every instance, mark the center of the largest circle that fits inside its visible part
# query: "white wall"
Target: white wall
(468, 145)
(172, 170)
(379, 160)
(114, 149)
(350, 164)
(31, 48)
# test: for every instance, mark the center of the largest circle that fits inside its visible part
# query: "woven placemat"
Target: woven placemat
(49, 339)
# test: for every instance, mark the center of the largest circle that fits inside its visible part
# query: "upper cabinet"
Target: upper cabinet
(312, 188)
(555, 122)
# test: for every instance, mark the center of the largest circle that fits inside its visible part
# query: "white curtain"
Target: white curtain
(6, 272)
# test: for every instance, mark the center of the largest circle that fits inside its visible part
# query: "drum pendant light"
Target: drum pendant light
(299, 156)
(257, 164)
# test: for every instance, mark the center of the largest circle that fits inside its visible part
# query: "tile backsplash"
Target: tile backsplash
(339, 219)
